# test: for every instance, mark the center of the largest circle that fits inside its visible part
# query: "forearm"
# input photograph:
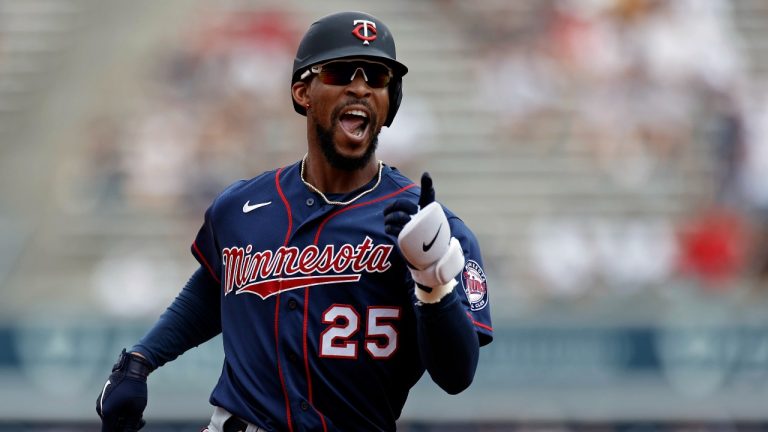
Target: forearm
(448, 343)
(194, 317)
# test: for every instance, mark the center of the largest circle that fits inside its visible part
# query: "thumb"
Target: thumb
(427, 191)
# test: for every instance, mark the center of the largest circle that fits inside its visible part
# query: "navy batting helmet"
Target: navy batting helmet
(345, 35)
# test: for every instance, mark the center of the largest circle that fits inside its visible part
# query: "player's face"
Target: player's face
(348, 119)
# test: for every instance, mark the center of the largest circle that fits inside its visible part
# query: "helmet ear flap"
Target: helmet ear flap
(395, 97)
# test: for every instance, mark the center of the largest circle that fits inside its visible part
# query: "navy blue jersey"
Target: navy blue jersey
(317, 304)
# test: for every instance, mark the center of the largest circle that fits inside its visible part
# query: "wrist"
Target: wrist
(133, 364)
(431, 295)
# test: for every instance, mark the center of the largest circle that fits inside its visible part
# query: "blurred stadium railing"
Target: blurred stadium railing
(609, 155)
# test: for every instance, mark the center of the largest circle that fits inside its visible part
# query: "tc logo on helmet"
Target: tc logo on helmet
(368, 29)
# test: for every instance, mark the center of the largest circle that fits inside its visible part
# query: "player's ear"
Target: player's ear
(300, 92)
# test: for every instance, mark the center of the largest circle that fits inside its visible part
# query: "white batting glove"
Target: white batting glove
(424, 238)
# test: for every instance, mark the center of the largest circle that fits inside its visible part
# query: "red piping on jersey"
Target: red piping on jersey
(287, 207)
(205, 262)
(322, 225)
(306, 292)
(306, 360)
(277, 307)
(304, 345)
(279, 369)
(479, 324)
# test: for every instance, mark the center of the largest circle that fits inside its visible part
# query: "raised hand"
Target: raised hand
(424, 238)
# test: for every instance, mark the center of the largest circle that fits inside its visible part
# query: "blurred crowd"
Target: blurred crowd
(634, 78)
(209, 115)
(642, 88)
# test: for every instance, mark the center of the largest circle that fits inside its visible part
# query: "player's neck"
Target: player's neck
(331, 180)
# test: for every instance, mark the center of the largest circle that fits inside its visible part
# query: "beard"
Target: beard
(336, 159)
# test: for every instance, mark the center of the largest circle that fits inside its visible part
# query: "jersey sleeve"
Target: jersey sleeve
(205, 247)
(473, 284)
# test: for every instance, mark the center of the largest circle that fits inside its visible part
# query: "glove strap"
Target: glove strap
(436, 294)
(133, 365)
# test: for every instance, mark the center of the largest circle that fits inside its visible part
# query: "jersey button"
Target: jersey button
(310, 202)
(304, 405)
(292, 304)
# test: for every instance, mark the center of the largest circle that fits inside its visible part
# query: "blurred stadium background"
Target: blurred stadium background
(611, 155)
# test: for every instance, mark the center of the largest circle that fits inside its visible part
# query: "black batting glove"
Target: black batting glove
(121, 403)
(427, 191)
(399, 213)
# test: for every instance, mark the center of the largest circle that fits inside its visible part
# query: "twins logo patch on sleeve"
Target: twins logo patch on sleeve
(475, 286)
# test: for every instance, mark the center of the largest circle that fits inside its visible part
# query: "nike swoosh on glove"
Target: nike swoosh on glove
(121, 403)
(424, 239)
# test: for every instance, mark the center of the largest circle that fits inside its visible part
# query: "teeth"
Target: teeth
(357, 113)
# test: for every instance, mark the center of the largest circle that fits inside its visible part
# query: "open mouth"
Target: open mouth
(355, 122)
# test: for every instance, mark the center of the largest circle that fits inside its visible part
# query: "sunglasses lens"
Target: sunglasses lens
(341, 73)
(336, 73)
(378, 75)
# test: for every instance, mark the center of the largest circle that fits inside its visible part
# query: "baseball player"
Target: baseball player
(335, 281)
